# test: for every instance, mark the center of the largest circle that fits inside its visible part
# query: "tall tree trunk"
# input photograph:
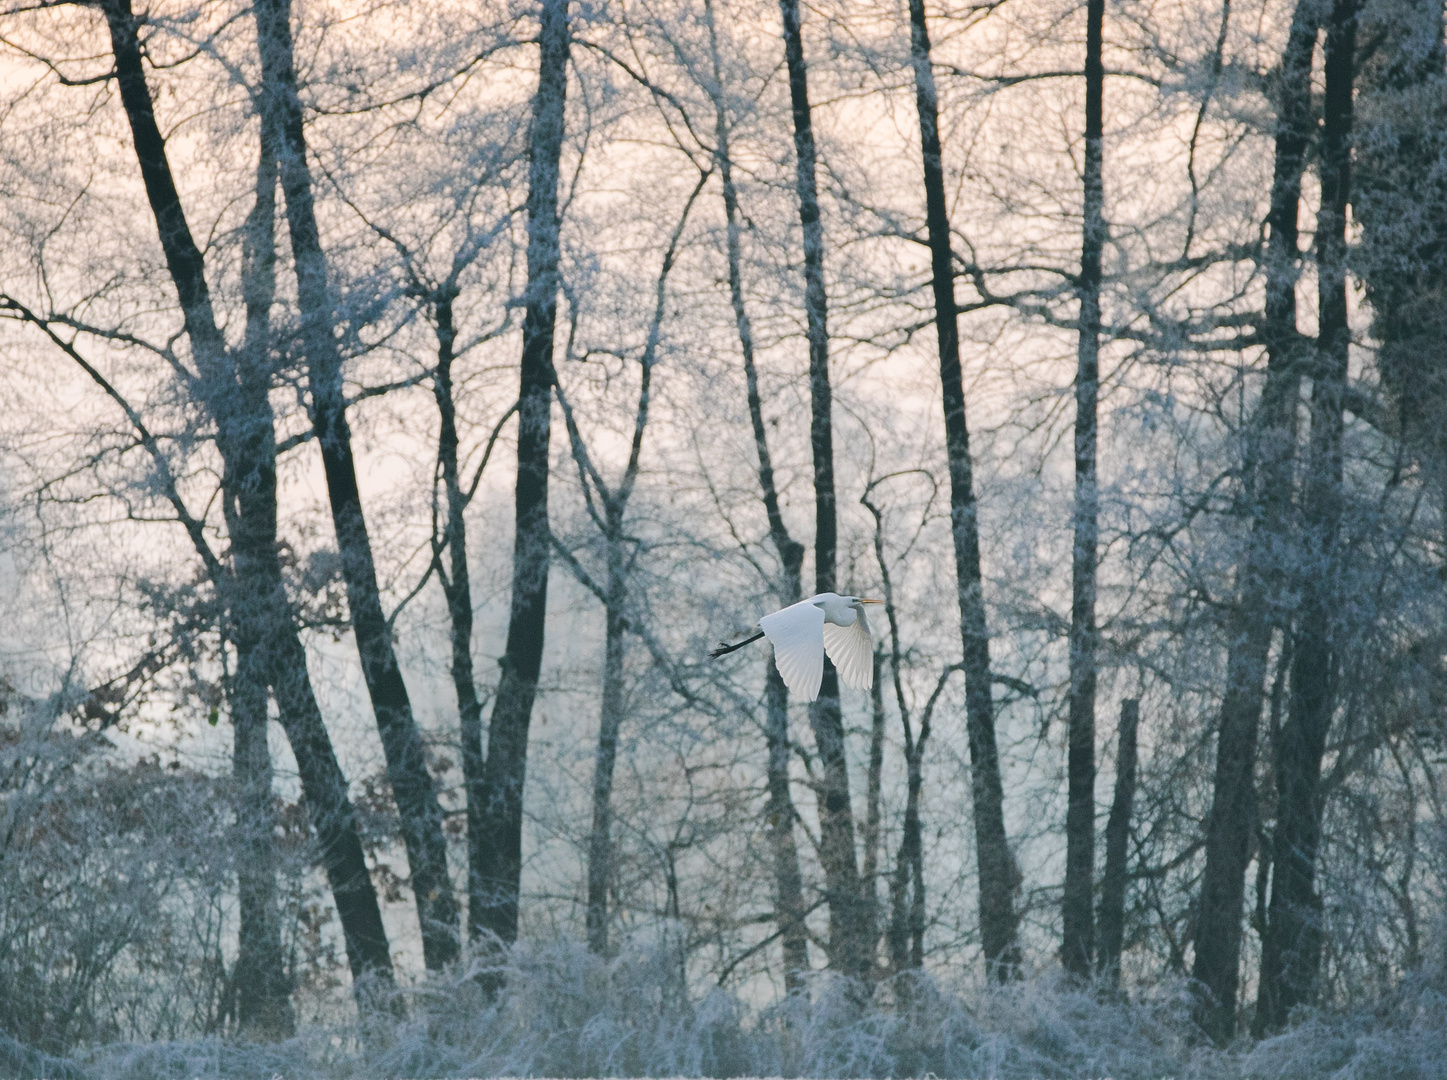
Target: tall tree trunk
(847, 914)
(1110, 925)
(457, 590)
(1077, 941)
(1291, 953)
(417, 803)
(255, 594)
(1270, 448)
(263, 989)
(998, 875)
(507, 743)
(788, 887)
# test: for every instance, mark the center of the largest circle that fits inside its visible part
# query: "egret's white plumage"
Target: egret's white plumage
(802, 633)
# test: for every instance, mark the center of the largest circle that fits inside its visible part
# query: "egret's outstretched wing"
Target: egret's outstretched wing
(852, 650)
(798, 644)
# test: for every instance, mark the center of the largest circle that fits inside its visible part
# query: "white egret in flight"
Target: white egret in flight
(802, 633)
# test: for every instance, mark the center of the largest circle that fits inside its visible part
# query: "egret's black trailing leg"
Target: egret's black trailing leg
(724, 648)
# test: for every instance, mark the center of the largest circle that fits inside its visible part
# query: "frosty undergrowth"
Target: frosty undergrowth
(564, 1013)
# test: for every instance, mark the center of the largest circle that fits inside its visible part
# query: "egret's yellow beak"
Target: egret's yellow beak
(864, 601)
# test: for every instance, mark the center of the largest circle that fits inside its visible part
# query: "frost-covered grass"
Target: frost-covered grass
(563, 1013)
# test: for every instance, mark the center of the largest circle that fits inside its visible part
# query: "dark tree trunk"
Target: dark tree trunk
(507, 745)
(457, 590)
(847, 915)
(998, 875)
(1110, 925)
(1077, 940)
(325, 790)
(1400, 200)
(412, 787)
(263, 988)
(788, 889)
(1291, 953)
(254, 593)
(1270, 447)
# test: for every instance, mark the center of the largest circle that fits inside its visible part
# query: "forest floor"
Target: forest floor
(564, 1013)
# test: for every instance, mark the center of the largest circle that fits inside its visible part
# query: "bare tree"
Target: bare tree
(607, 506)
(1291, 951)
(904, 934)
(258, 588)
(507, 745)
(412, 786)
(1077, 941)
(262, 987)
(848, 951)
(999, 877)
(1270, 448)
(788, 881)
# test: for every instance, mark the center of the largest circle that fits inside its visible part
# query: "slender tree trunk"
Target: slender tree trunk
(998, 875)
(869, 870)
(1270, 448)
(788, 881)
(457, 590)
(1077, 941)
(325, 790)
(263, 988)
(906, 889)
(1291, 953)
(507, 744)
(1110, 928)
(847, 914)
(600, 848)
(255, 594)
(788, 888)
(615, 596)
(905, 934)
(417, 803)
